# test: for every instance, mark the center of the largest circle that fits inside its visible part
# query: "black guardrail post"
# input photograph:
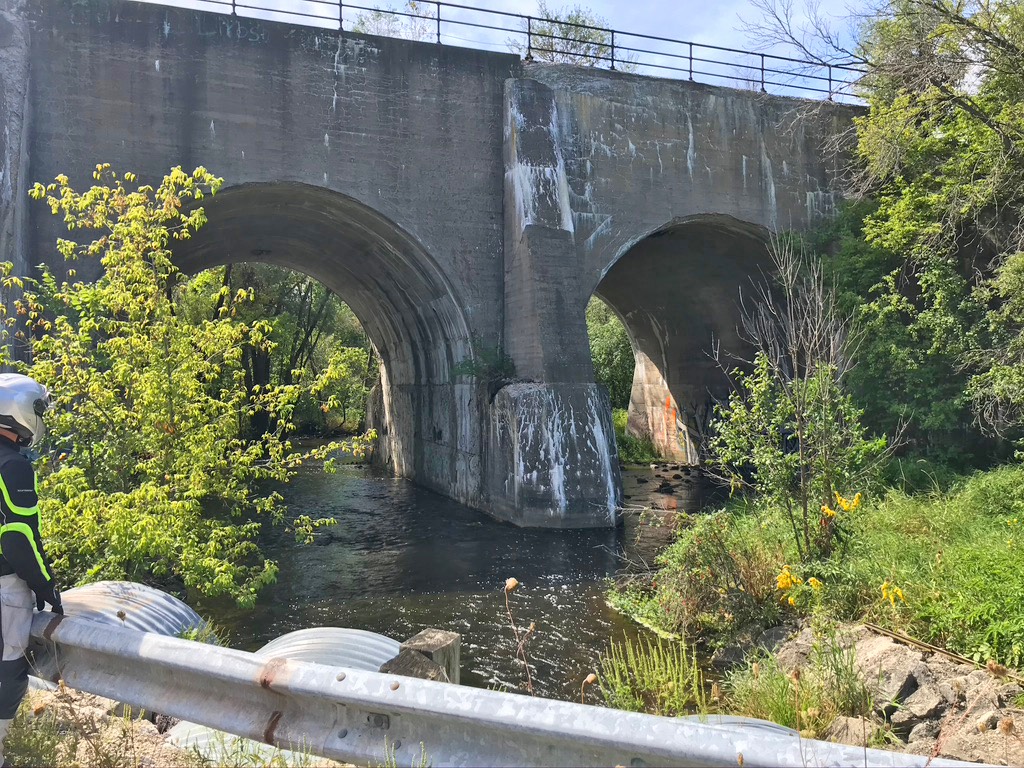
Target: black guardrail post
(613, 49)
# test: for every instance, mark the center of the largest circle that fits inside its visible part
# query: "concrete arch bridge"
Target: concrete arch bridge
(462, 202)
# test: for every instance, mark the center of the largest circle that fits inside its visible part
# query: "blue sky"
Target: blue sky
(708, 22)
(714, 22)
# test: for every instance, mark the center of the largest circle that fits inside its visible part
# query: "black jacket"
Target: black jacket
(21, 547)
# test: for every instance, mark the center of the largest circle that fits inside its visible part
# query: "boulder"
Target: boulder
(924, 704)
(888, 670)
(773, 638)
(796, 652)
(987, 721)
(926, 731)
(994, 745)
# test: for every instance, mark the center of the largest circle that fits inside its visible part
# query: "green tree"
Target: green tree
(904, 380)
(570, 35)
(790, 430)
(611, 352)
(150, 478)
(310, 327)
(940, 156)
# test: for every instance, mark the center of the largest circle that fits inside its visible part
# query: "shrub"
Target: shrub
(153, 478)
(716, 579)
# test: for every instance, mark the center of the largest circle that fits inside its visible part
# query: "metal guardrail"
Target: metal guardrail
(445, 22)
(373, 718)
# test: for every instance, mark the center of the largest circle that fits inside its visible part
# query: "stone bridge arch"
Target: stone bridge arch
(677, 290)
(429, 428)
(480, 197)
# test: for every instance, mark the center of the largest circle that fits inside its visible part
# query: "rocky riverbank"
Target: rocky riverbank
(924, 703)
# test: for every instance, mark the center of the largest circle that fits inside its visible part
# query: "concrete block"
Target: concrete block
(441, 647)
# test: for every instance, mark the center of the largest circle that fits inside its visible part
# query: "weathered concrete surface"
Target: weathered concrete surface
(14, 108)
(678, 292)
(672, 188)
(552, 452)
(460, 203)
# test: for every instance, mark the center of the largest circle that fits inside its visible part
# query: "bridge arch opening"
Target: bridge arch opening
(677, 291)
(426, 421)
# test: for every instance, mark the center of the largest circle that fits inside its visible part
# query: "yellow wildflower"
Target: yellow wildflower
(786, 579)
(847, 505)
(815, 583)
(827, 511)
(892, 593)
(791, 600)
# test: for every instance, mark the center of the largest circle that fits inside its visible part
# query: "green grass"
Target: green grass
(656, 676)
(957, 556)
(808, 702)
(958, 559)
(715, 581)
(632, 450)
(662, 677)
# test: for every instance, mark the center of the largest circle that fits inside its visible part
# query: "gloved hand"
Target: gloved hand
(49, 594)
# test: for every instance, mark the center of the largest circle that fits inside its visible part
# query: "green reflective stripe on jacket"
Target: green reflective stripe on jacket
(23, 511)
(24, 529)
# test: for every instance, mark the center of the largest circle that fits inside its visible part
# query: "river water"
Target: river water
(402, 558)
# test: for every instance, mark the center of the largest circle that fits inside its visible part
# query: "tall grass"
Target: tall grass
(808, 700)
(657, 676)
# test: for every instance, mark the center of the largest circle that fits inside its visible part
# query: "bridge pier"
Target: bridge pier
(553, 456)
(551, 442)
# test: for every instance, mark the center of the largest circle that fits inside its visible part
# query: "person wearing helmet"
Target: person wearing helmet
(25, 576)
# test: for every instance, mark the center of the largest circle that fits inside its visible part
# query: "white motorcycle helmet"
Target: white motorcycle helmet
(23, 401)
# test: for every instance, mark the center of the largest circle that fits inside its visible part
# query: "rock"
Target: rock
(887, 669)
(949, 693)
(923, 704)
(164, 723)
(991, 746)
(855, 731)
(771, 639)
(1008, 693)
(977, 677)
(796, 653)
(928, 730)
(987, 721)
(677, 476)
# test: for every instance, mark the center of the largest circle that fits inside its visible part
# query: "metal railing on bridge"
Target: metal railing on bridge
(537, 38)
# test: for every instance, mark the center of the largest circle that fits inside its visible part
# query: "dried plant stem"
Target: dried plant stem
(521, 638)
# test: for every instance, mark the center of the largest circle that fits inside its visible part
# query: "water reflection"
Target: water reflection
(402, 558)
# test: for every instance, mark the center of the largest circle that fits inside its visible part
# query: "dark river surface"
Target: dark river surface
(402, 558)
